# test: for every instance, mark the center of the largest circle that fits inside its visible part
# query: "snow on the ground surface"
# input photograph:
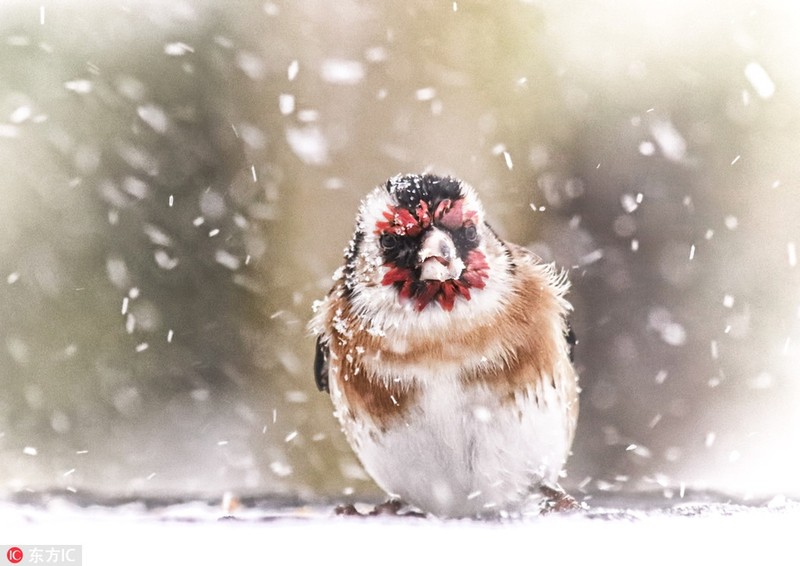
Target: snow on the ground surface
(196, 533)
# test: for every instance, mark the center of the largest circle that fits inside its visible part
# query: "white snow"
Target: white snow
(193, 535)
(164, 260)
(130, 323)
(507, 158)
(669, 140)
(342, 71)
(427, 93)
(647, 148)
(251, 64)
(309, 144)
(154, 116)
(295, 396)
(81, 86)
(8, 131)
(672, 332)
(156, 235)
(227, 259)
(135, 187)
(281, 469)
(763, 380)
(286, 104)
(177, 48)
(376, 54)
(731, 222)
(591, 257)
(252, 135)
(292, 70)
(630, 202)
(20, 114)
(308, 115)
(760, 80)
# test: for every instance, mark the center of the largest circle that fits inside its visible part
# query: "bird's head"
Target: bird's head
(421, 243)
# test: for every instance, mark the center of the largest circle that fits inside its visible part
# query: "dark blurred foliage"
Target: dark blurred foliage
(179, 180)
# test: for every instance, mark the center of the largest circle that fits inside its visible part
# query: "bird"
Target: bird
(447, 355)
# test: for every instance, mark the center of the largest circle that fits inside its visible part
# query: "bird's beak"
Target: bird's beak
(437, 258)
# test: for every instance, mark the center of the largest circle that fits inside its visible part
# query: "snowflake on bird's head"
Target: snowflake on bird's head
(401, 222)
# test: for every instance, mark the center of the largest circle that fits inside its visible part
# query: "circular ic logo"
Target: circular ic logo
(14, 555)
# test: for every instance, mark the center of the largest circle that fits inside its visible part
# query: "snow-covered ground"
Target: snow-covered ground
(193, 533)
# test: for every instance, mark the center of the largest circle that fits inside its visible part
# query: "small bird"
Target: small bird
(447, 355)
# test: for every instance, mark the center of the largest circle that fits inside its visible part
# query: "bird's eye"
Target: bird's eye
(471, 233)
(389, 241)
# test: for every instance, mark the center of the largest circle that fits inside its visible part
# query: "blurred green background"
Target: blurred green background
(178, 181)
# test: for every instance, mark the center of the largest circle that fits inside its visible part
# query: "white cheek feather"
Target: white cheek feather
(372, 208)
